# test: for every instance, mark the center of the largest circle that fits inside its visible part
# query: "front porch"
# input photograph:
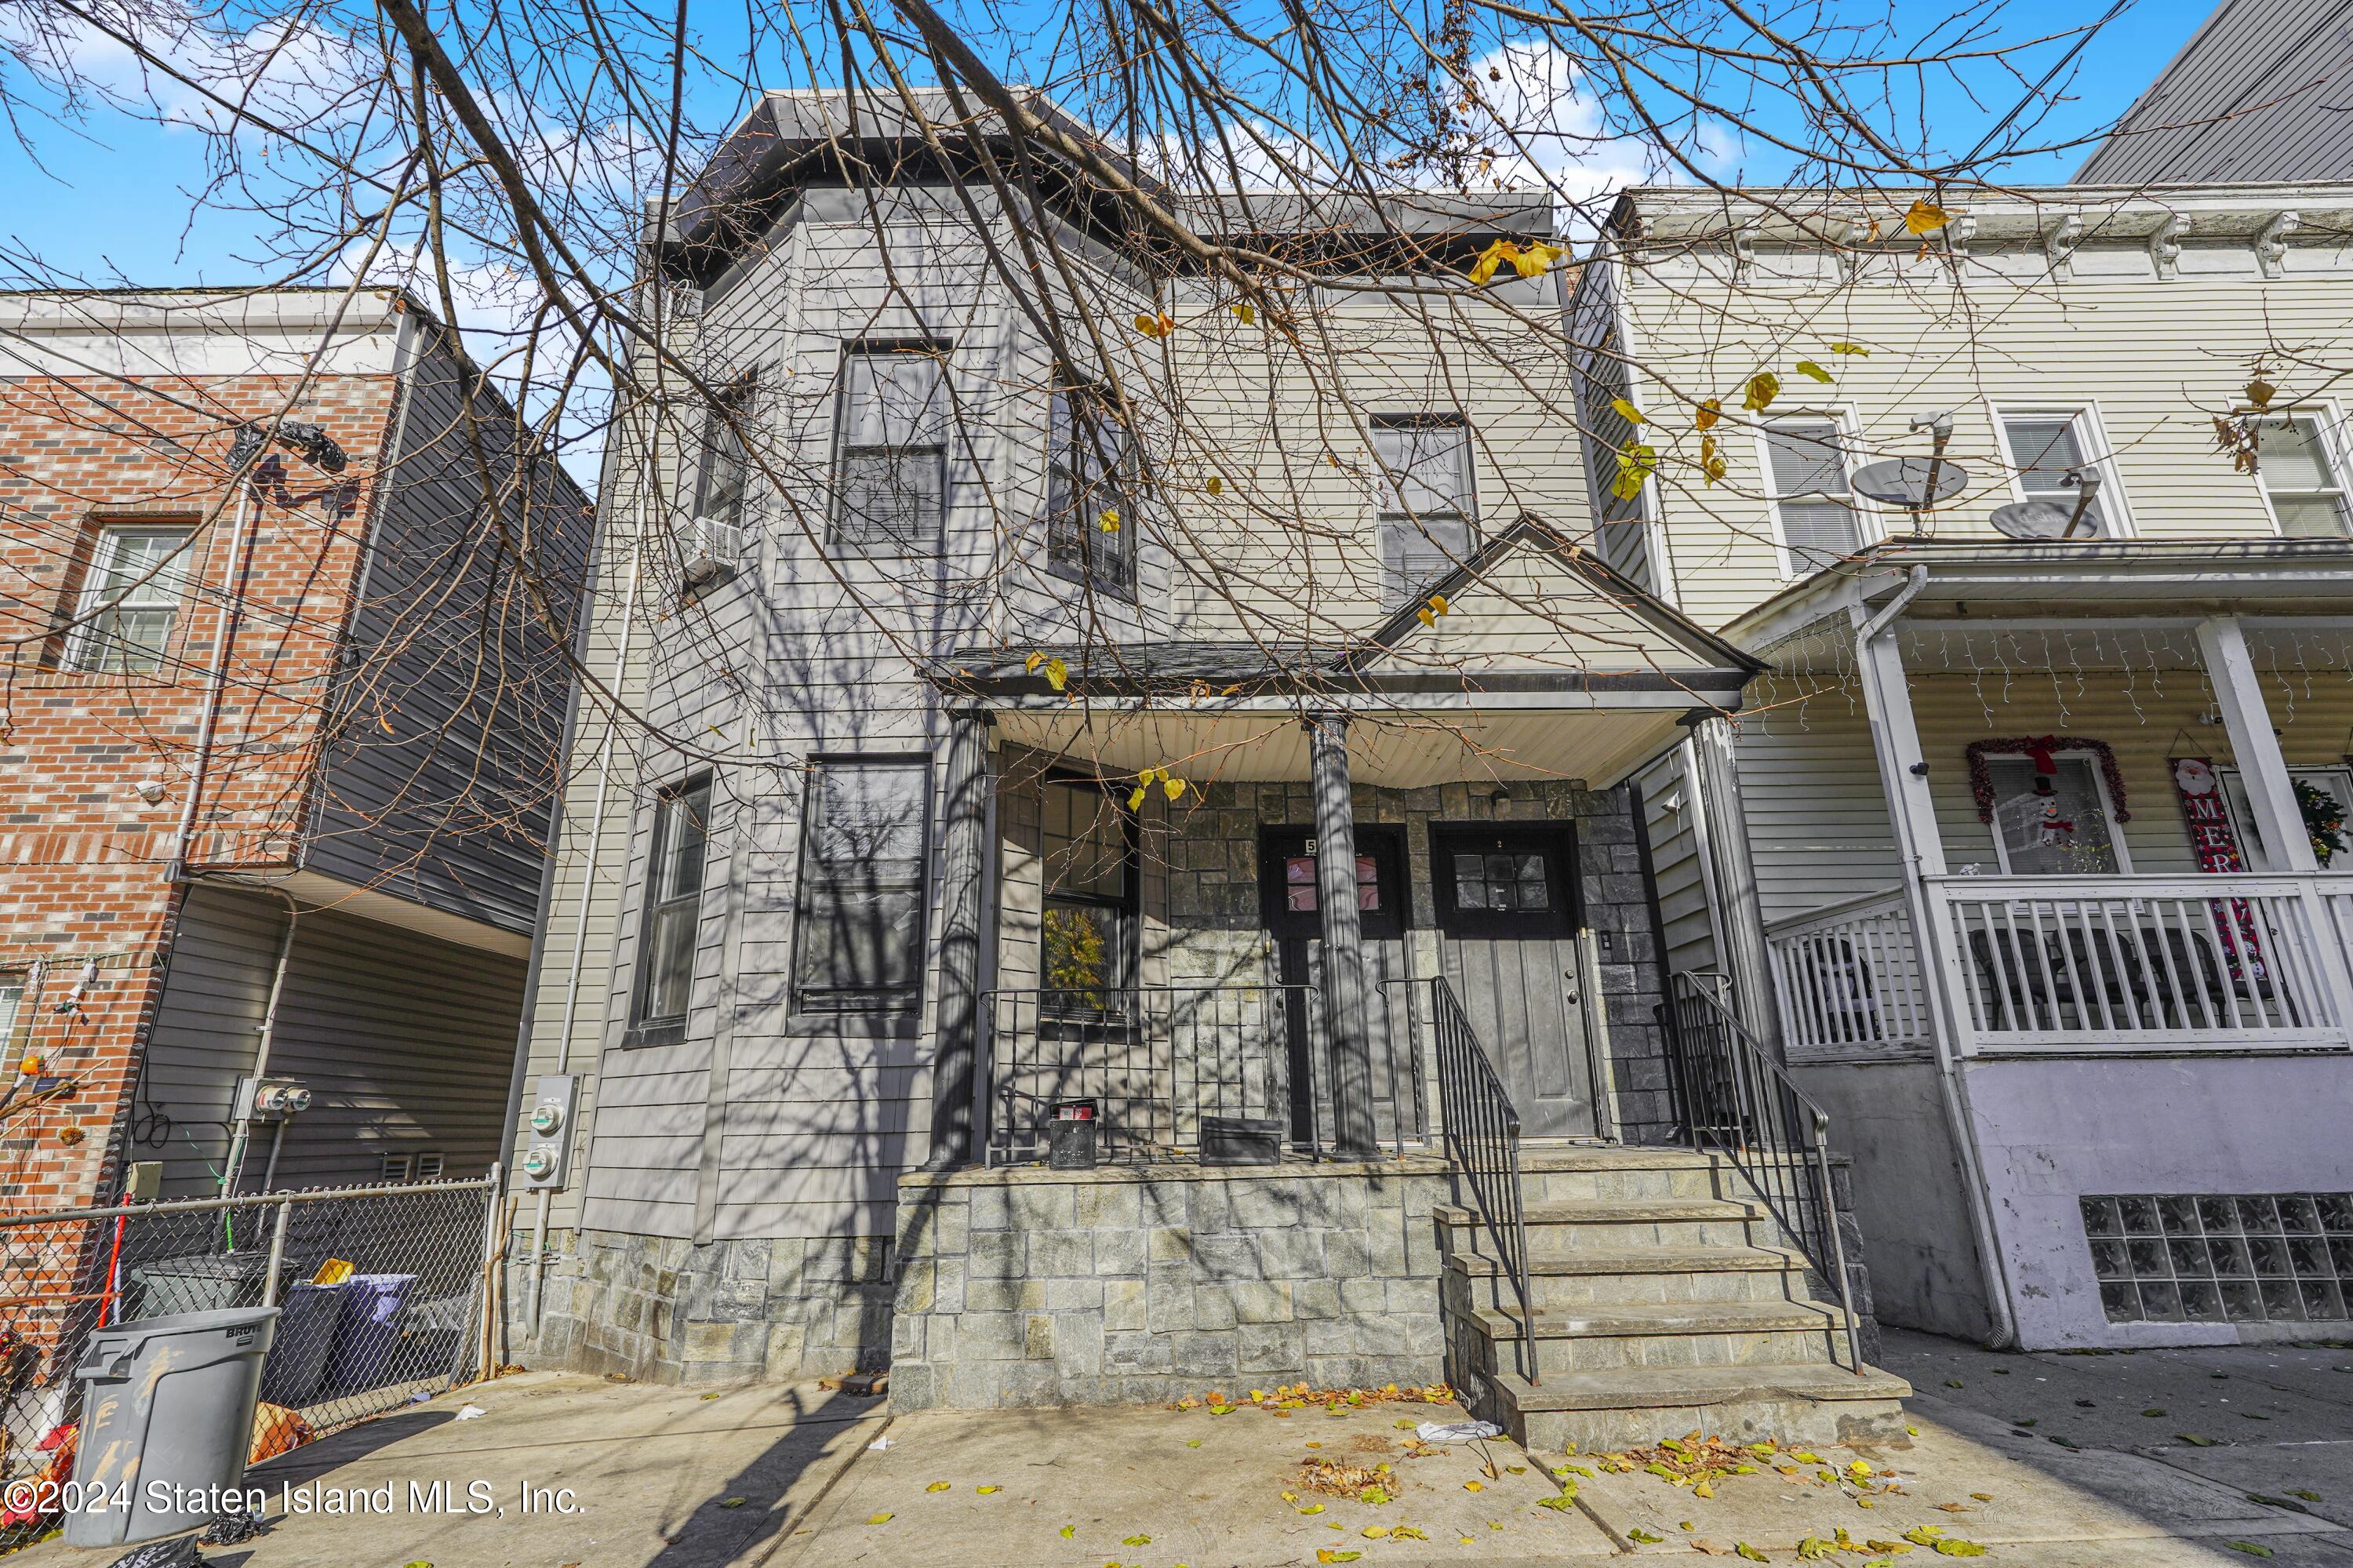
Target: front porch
(2098, 909)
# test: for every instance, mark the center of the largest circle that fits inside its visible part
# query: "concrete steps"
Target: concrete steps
(1664, 1298)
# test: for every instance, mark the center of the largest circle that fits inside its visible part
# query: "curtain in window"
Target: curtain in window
(1809, 489)
(2044, 448)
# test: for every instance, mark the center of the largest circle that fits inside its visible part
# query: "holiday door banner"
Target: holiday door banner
(2200, 789)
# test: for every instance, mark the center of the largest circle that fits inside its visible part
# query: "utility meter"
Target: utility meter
(547, 1153)
(272, 1099)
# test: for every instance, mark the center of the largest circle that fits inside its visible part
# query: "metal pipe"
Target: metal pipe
(217, 681)
(276, 1254)
(208, 1205)
(234, 1166)
(276, 1143)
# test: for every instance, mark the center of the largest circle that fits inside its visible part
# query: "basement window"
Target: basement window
(2266, 1257)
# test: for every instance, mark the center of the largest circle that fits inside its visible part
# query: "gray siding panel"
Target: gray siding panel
(405, 1042)
(444, 751)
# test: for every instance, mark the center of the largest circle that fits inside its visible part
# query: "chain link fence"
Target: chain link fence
(380, 1294)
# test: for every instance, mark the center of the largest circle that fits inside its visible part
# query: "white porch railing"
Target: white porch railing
(2146, 962)
(1846, 977)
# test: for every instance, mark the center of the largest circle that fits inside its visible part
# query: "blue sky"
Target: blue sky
(111, 203)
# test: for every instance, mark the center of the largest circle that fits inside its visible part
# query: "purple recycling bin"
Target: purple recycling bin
(369, 1333)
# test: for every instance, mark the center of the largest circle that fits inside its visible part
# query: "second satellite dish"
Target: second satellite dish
(2035, 522)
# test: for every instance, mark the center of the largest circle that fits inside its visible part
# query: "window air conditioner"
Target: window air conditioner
(710, 550)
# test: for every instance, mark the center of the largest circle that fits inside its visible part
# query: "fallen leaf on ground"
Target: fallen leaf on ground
(1982, 1496)
(939, 1486)
(985, 1492)
(2308, 1497)
(870, 1518)
(1069, 1531)
(1473, 1487)
(1192, 1442)
(2248, 1547)
(1644, 1537)
(1137, 1540)
(2153, 1410)
(1742, 1549)
(733, 1502)
(2195, 1441)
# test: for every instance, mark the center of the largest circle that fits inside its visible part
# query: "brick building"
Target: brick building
(279, 727)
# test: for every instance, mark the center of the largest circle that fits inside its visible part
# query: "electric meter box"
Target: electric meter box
(546, 1162)
(272, 1099)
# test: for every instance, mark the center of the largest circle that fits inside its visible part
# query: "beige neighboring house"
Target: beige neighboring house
(2042, 794)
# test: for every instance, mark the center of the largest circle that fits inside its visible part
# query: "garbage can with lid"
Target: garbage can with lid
(166, 1422)
(204, 1282)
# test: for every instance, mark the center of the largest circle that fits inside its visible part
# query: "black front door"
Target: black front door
(1507, 904)
(1287, 908)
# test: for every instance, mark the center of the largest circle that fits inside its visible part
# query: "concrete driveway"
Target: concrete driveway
(2045, 1461)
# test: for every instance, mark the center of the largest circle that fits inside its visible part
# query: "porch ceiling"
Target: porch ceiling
(1404, 751)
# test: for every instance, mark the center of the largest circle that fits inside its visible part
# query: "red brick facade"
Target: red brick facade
(84, 855)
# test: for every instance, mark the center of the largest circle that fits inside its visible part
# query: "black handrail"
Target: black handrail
(1735, 1100)
(1482, 1140)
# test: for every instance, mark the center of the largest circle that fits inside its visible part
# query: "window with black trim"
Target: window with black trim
(891, 467)
(1088, 934)
(726, 470)
(1090, 491)
(673, 912)
(1494, 879)
(1429, 511)
(864, 845)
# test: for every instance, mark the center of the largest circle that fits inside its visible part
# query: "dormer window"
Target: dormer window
(1429, 517)
(1092, 492)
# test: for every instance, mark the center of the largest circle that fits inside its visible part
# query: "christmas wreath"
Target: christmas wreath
(2323, 819)
(2043, 749)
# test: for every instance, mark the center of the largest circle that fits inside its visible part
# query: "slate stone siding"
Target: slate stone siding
(1026, 1286)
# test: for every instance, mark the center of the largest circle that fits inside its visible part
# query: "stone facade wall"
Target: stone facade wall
(1022, 1286)
(662, 1309)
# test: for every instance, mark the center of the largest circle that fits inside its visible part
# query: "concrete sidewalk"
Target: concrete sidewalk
(2042, 1460)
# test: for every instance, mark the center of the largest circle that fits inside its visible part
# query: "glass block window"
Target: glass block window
(2215, 1258)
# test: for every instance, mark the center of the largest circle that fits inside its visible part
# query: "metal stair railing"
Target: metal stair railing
(1735, 1101)
(1482, 1140)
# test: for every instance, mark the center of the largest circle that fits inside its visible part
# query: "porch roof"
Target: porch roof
(1545, 663)
(2174, 579)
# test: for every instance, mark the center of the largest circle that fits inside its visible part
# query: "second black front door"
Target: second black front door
(1288, 909)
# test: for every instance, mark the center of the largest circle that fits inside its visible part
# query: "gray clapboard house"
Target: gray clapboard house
(1065, 708)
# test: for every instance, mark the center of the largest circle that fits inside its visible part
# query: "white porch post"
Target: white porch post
(1903, 766)
(2223, 644)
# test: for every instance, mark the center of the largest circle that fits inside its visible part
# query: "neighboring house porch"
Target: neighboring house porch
(2052, 857)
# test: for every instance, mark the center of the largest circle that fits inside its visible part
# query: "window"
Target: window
(863, 856)
(1498, 881)
(138, 577)
(1091, 522)
(2315, 788)
(12, 998)
(673, 912)
(2214, 1257)
(719, 490)
(2053, 824)
(2306, 493)
(1428, 511)
(891, 478)
(1602, 383)
(2046, 447)
(1812, 503)
(1088, 939)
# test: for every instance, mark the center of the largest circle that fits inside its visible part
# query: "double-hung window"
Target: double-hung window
(2044, 448)
(12, 998)
(859, 943)
(1429, 511)
(2056, 824)
(673, 912)
(1603, 382)
(130, 601)
(1091, 522)
(1813, 505)
(2300, 475)
(1089, 936)
(726, 470)
(891, 467)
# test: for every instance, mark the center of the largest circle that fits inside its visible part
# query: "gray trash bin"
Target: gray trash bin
(168, 1400)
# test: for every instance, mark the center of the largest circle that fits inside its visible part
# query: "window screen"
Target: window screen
(1810, 494)
(1427, 506)
(863, 842)
(891, 486)
(1091, 522)
(674, 907)
(137, 579)
(2062, 829)
(2307, 494)
(2044, 448)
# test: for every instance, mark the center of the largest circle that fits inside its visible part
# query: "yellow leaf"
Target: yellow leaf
(1110, 520)
(1705, 416)
(1438, 602)
(1704, 1489)
(1171, 787)
(1137, 1540)
(1711, 459)
(1058, 674)
(1744, 1550)
(1473, 1487)
(1628, 485)
(1424, 616)
(1031, 663)
(1537, 259)
(1849, 348)
(1069, 1531)
(1217, 486)
(1290, 1497)
(1627, 412)
(1808, 368)
(1190, 1442)
(1858, 1468)
(1247, 312)
(986, 1491)
(1763, 388)
(1375, 1532)
(1136, 803)
(1312, 1508)
(939, 1486)
(1501, 250)
(1926, 218)
(879, 1517)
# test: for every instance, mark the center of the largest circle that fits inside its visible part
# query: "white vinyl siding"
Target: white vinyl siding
(1813, 506)
(2301, 477)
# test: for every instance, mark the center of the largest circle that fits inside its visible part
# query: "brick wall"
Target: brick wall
(85, 853)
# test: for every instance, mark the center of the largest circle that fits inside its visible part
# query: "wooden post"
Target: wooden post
(962, 912)
(2270, 793)
(1347, 1016)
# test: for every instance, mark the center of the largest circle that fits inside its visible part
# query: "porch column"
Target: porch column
(1895, 742)
(1732, 879)
(963, 918)
(2223, 644)
(1348, 1016)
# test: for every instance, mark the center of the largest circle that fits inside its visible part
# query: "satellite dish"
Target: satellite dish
(2033, 522)
(1915, 483)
